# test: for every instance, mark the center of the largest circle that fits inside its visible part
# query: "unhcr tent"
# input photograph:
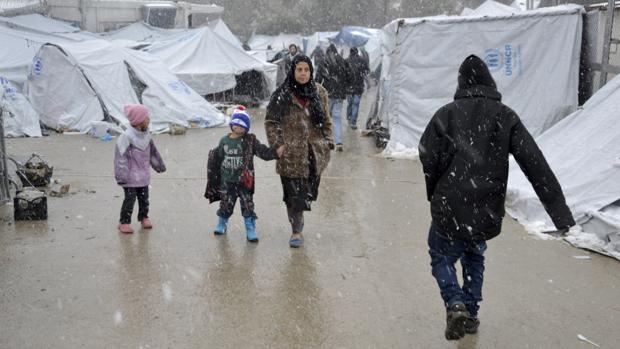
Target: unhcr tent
(584, 152)
(533, 56)
(209, 63)
(72, 85)
(19, 118)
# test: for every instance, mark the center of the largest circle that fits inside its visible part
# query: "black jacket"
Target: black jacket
(464, 151)
(334, 74)
(359, 71)
(214, 162)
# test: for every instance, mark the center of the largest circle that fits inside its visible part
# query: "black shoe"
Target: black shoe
(455, 321)
(353, 127)
(339, 147)
(471, 325)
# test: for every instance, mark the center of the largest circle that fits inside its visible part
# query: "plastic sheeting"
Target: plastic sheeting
(20, 119)
(75, 84)
(533, 56)
(208, 63)
(584, 152)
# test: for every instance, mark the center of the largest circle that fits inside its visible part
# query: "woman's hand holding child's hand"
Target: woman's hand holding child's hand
(280, 151)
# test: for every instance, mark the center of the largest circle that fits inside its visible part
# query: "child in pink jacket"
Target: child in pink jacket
(134, 156)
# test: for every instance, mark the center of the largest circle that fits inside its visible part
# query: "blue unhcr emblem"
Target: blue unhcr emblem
(494, 60)
(37, 65)
(179, 87)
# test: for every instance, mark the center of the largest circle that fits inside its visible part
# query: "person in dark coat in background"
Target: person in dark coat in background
(464, 152)
(334, 75)
(359, 72)
(293, 50)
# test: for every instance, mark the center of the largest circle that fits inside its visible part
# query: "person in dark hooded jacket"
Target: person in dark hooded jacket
(464, 152)
(334, 74)
(359, 71)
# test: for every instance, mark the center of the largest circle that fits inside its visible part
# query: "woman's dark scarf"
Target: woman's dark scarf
(282, 98)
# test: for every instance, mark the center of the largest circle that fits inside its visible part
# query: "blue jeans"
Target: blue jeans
(353, 107)
(335, 109)
(444, 255)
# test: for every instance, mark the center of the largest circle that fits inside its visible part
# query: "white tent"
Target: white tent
(279, 42)
(19, 118)
(533, 56)
(72, 85)
(208, 63)
(584, 152)
(221, 29)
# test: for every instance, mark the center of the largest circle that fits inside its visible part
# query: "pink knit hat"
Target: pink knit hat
(136, 113)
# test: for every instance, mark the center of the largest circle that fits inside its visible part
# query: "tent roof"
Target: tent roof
(221, 29)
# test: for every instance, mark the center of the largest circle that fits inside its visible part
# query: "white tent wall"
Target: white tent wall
(584, 152)
(60, 92)
(20, 119)
(534, 58)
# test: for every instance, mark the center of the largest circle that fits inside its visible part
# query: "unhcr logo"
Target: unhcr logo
(494, 60)
(37, 65)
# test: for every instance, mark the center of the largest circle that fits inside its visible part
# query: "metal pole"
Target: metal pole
(611, 6)
(4, 171)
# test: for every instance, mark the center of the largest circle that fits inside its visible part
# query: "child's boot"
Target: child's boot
(250, 228)
(125, 228)
(220, 229)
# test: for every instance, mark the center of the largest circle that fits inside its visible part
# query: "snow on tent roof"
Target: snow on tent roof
(208, 63)
(536, 70)
(493, 8)
(72, 85)
(584, 152)
(39, 24)
(141, 31)
(221, 29)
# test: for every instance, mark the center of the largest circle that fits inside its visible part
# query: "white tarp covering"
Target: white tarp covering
(142, 32)
(70, 85)
(584, 152)
(208, 63)
(533, 56)
(39, 24)
(20, 119)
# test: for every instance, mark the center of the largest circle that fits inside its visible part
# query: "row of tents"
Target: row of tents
(166, 69)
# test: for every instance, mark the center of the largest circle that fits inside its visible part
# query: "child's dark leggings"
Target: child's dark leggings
(142, 194)
(230, 192)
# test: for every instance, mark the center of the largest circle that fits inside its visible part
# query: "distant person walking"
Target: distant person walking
(298, 118)
(333, 74)
(293, 51)
(134, 155)
(359, 72)
(464, 151)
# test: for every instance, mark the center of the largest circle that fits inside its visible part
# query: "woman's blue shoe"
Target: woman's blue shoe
(250, 228)
(296, 242)
(220, 229)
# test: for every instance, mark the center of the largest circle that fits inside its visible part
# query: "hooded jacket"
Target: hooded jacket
(464, 152)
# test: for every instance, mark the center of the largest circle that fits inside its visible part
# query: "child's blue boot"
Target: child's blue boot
(220, 229)
(250, 229)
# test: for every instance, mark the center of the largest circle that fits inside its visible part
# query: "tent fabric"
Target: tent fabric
(38, 24)
(277, 43)
(72, 85)
(221, 29)
(187, 56)
(19, 118)
(533, 57)
(584, 152)
(142, 32)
